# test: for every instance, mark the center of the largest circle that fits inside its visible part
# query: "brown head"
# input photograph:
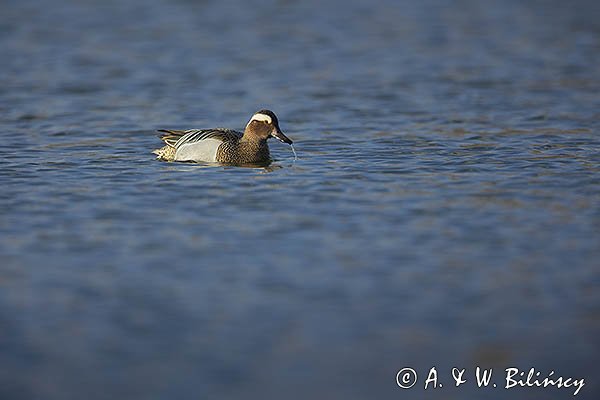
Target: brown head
(263, 125)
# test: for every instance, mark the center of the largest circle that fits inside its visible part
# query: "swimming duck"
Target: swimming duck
(223, 145)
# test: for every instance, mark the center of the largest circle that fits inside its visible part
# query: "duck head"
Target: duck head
(264, 124)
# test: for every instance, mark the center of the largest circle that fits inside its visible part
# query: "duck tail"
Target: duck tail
(165, 153)
(170, 137)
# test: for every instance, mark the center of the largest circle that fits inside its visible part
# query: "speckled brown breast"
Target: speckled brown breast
(243, 152)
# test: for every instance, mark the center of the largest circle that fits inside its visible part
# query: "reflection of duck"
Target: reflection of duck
(224, 145)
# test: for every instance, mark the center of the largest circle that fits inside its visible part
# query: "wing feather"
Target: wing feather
(177, 138)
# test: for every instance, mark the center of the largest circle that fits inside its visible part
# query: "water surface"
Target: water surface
(444, 210)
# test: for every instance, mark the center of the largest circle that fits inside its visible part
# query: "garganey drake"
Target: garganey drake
(223, 145)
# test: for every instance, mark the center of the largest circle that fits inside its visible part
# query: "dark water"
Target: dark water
(444, 210)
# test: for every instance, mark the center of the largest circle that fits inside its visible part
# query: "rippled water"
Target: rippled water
(444, 209)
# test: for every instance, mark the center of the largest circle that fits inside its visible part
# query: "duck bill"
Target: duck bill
(276, 133)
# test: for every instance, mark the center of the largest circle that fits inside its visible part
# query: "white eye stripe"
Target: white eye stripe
(261, 117)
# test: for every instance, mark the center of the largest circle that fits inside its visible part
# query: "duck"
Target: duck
(222, 145)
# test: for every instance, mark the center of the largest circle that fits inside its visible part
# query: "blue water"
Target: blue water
(444, 209)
